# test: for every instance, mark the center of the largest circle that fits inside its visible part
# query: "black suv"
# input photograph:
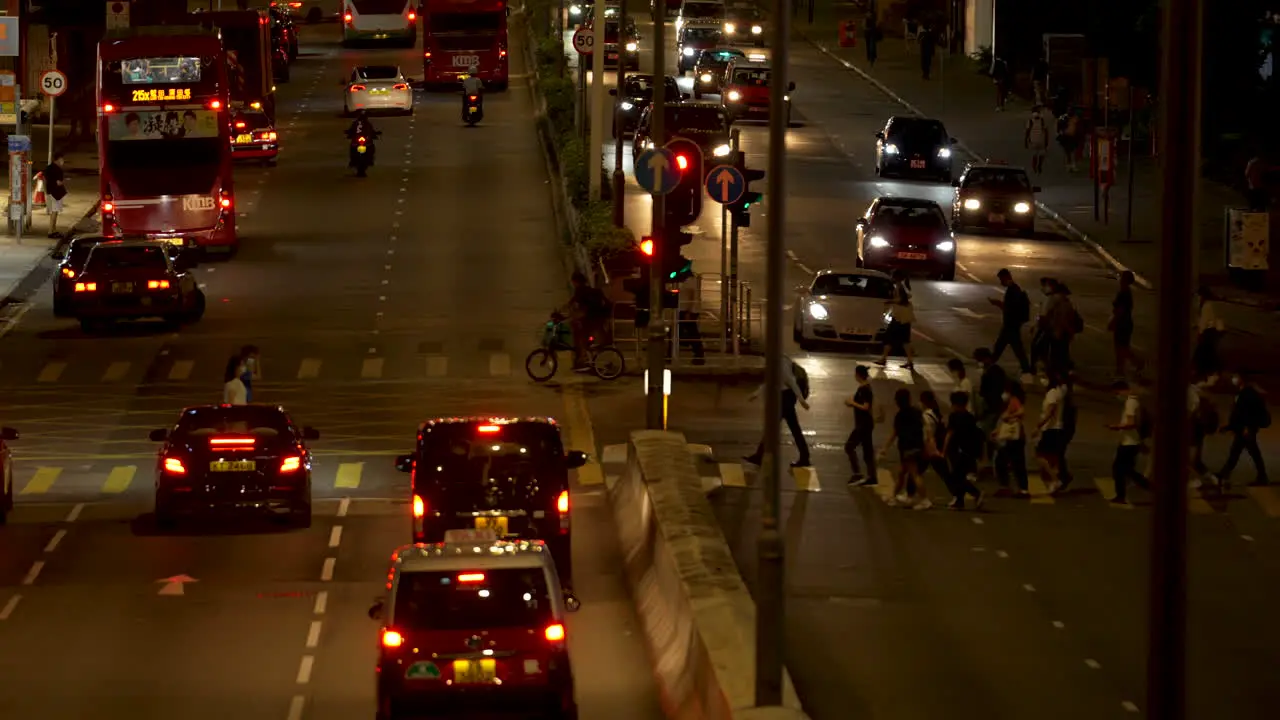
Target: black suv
(914, 147)
(708, 72)
(702, 122)
(508, 475)
(637, 95)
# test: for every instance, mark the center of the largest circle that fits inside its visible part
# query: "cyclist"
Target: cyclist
(589, 312)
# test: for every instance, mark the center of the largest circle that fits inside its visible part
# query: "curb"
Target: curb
(39, 271)
(1074, 232)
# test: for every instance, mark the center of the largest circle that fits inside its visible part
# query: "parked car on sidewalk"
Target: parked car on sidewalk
(994, 196)
(909, 234)
(914, 147)
(846, 307)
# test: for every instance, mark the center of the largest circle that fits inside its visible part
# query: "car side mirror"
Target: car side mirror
(955, 183)
(8, 433)
(375, 610)
(791, 87)
(879, 136)
(575, 459)
(404, 463)
(159, 435)
(685, 96)
(1035, 189)
(613, 92)
(310, 433)
(571, 602)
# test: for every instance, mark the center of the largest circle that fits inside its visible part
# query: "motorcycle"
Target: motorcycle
(362, 152)
(472, 109)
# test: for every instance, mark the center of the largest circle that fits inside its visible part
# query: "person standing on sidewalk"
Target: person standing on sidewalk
(864, 425)
(1121, 326)
(1002, 77)
(901, 314)
(928, 47)
(871, 38)
(55, 182)
(1040, 81)
(1249, 414)
(1133, 427)
(795, 390)
(1038, 135)
(962, 448)
(1015, 311)
(1069, 137)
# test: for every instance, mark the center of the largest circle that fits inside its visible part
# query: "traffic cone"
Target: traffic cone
(37, 194)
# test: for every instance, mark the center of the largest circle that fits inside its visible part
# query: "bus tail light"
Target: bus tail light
(157, 284)
(419, 507)
(427, 54)
(554, 633)
(215, 104)
(502, 53)
(391, 638)
(108, 108)
(562, 508)
(346, 18)
(108, 204)
(224, 201)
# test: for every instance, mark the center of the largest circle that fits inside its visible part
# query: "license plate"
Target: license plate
(917, 164)
(612, 56)
(360, 149)
(856, 331)
(122, 287)
(473, 109)
(244, 139)
(496, 524)
(995, 218)
(233, 466)
(913, 256)
(473, 672)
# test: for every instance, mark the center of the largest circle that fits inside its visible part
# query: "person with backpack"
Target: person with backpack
(908, 433)
(795, 390)
(1037, 137)
(1015, 312)
(962, 448)
(1249, 414)
(1134, 428)
(1049, 445)
(1062, 322)
(864, 425)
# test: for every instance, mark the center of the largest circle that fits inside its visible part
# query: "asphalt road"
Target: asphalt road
(1027, 609)
(376, 303)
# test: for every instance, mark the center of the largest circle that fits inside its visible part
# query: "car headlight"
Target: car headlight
(627, 106)
(878, 242)
(756, 29)
(632, 47)
(1022, 208)
(944, 153)
(972, 204)
(729, 28)
(706, 77)
(818, 312)
(734, 96)
(721, 150)
(688, 52)
(890, 149)
(946, 246)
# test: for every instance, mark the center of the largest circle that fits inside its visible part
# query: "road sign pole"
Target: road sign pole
(734, 290)
(726, 327)
(619, 180)
(654, 416)
(595, 164)
(53, 58)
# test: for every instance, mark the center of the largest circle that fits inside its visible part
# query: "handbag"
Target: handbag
(902, 314)
(1008, 431)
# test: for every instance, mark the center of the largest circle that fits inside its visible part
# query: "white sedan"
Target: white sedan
(843, 307)
(377, 88)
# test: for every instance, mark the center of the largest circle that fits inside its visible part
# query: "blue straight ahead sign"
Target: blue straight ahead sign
(725, 184)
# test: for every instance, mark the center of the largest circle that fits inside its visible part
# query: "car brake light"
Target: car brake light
(215, 104)
(240, 126)
(555, 633)
(108, 108)
(291, 464)
(391, 638)
(471, 577)
(357, 88)
(488, 428)
(174, 465)
(419, 507)
(87, 287)
(346, 17)
(271, 135)
(427, 54)
(157, 284)
(401, 86)
(68, 273)
(562, 502)
(232, 441)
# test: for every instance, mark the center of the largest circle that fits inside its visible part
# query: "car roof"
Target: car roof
(901, 201)
(472, 555)
(486, 420)
(853, 271)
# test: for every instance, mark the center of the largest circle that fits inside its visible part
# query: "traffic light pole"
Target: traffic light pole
(735, 293)
(619, 179)
(654, 416)
(595, 116)
(726, 328)
(770, 549)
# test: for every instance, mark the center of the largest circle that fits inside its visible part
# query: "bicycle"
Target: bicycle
(604, 360)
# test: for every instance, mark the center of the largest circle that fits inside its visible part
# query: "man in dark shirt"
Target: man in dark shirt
(1249, 414)
(864, 424)
(55, 183)
(1015, 311)
(962, 449)
(991, 386)
(588, 315)
(1121, 325)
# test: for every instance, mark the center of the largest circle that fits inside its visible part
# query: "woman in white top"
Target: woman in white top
(234, 391)
(1052, 442)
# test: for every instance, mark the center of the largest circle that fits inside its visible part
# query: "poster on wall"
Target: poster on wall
(1248, 239)
(164, 125)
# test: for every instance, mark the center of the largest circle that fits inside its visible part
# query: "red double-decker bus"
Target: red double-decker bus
(459, 34)
(164, 146)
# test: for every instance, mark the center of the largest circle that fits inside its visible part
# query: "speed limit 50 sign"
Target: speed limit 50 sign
(53, 83)
(584, 40)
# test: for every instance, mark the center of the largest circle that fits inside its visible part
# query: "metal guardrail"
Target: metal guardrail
(701, 333)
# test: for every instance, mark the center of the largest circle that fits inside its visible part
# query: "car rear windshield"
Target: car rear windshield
(752, 78)
(79, 252)
(853, 286)
(380, 72)
(1000, 180)
(473, 600)
(911, 216)
(252, 121)
(261, 422)
(718, 58)
(696, 119)
(120, 258)
(379, 7)
(642, 87)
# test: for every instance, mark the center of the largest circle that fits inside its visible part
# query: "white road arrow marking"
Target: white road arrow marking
(967, 312)
(658, 165)
(173, 585)
(724, 179)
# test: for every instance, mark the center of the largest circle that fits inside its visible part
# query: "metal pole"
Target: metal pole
(1180, 157)
(735, 293)
(581, 113)
(23, 209)
(53, 58)
(619, 179)
(725, 324)
(1128, 213)
(654, 415)
(596, 117)
(770, 611)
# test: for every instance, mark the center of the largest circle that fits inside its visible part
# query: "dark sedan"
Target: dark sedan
(70, 264)
(708, 72)
(994, 197)
(914, 147)
(909, 234)
(704, 123)
(637, 95)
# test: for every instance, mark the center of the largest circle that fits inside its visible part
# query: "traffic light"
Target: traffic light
(639, 287)
(676, 267)
(684, 203)
(646, 246)
(741, 210)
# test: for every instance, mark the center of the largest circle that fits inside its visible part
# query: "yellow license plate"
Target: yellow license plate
(471, 672)
(473, 109)
(496, 524)
(244, 139)
(122, 287)
(233, 466)
(360, 149)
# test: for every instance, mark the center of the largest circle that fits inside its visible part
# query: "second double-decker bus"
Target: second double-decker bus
(164, 146)
(392, 21)
(460, 34)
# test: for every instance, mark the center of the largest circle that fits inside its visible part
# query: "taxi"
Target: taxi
(994, 196)
(7, 492)
(745, 91)
(474, 625)
(254, 138)
(509, 475)
(133, 280)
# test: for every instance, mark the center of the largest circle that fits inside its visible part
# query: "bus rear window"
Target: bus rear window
(380, 7)
(163, 70)
(466, 23)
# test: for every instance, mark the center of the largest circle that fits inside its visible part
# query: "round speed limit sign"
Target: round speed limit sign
(584, 39)
(53, 83)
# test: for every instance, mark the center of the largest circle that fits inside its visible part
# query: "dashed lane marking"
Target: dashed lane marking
(53, 541)
(326, 571)
(9, 607)
(349, 475)
(335, 536)
(321, 603)
(806, 479)
(33, 573)
(732, 475)
(119, 479)
(296, 706)
(51, 372)
(371, 368)
(313, 634)
(310, 369)
(44, 479)
(181, 370)
(116, 371)
(304, 669)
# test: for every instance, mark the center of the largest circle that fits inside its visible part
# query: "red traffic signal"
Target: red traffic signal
(646, 246)
(682, 162)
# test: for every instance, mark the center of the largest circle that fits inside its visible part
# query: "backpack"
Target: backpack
(1145, 423)
(1019, 306)
(802, 379)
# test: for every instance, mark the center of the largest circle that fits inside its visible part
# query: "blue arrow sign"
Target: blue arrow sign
(656, 171)
(725, 184)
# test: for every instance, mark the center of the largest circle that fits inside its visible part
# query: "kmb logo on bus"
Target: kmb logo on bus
(197, 202)
(465, 60)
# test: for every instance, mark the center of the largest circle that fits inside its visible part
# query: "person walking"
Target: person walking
(1002, 78)
(935, 434)
(1011, 441)
(55, 190)
(1069, 137)
(908, 433)
(1037, 136)
(901, 313)
(795, 391)
(962, 448)
(1134, 428)
(960, 376)
(1070, 414)
(1015, 312)
(1249, 414)
(1121, 326)
(1062, 323)
(1049, 444)
(1209, 331)
(864, 425)
(250, 370)
(233, 390)
(1204, 422)
(928, 47)
(991, 385)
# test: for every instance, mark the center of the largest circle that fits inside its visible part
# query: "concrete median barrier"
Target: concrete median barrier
(695, 611)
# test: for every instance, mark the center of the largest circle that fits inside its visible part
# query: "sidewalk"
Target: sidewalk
(965, 100)
(20, 259)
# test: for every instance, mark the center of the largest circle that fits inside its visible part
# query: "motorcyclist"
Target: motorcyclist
(473, 86)
(362, 127)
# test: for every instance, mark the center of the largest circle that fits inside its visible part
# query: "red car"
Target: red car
(254, 138)
(909, 234)
(745, 92)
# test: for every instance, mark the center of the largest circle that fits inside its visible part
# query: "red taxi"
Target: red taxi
(745, 92)
(253, 137)
(474, 626)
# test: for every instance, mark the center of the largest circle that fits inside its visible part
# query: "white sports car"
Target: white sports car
(377, 88)
(843, 307)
